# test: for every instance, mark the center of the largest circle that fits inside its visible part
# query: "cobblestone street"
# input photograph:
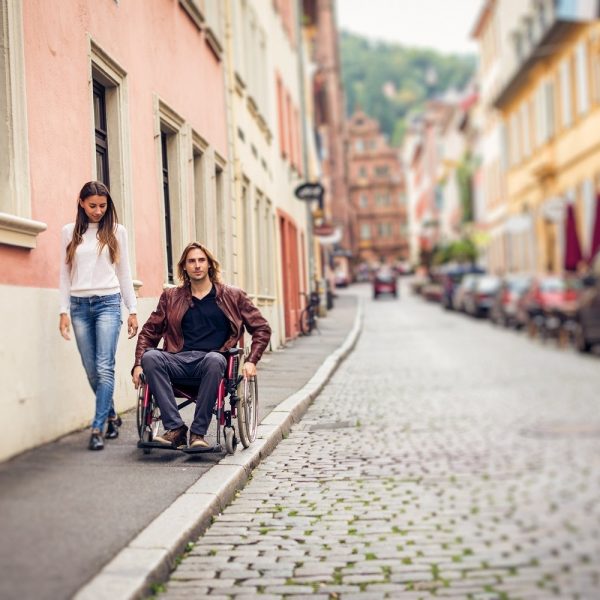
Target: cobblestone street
(445, 458)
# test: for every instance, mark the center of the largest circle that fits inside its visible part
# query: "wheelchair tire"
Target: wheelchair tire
(247, 411)
(230, 439)
(148, 417)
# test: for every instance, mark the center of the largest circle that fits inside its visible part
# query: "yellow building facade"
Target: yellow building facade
(550, 138)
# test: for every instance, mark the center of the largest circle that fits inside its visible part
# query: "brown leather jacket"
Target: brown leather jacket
(165, 322)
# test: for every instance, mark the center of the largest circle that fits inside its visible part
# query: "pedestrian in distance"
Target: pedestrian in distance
(94, 276)
(198, 321)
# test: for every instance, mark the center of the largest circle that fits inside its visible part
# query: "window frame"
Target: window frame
(17, 228)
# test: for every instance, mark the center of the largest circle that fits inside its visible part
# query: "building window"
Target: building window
(365, 231)
(565, 93)
(164, 140)
(214, 25)
(199, 187)
(383, 200)
(363, 201)
(515, 150)
(110, 128)
(101, 133)
(359, 145)
(583, 99)
(550, 108)
(362, 172)
(382, 171)
(247, 231)
(16, 226)
(384, 229)
(174, 174)
(221, 214)
(526, 130)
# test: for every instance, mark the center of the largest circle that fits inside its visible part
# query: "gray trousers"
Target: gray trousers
(161, 368)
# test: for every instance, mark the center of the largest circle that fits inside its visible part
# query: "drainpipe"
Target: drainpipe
(301, 73)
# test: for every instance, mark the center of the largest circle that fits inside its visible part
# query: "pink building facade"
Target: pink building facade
(128, 92)
(377, 193)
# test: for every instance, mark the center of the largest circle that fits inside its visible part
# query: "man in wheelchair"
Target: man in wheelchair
(198, 321)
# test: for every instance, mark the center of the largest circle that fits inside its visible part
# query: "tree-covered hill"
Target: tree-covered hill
(388, 81)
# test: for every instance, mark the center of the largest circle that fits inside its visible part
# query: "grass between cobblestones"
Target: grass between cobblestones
(433, 492)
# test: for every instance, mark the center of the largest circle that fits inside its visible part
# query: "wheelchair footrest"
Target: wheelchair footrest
(207, 450)
(155, 445)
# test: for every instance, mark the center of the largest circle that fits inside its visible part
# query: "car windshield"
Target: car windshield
(385, 276)
(488, 283)
(518, 284)
(553, 284)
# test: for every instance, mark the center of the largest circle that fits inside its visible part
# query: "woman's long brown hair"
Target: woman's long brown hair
(106, 227)
(214, 268)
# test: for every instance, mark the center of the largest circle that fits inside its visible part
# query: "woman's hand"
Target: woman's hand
(249, 370)
(132, 326)
(65, 326)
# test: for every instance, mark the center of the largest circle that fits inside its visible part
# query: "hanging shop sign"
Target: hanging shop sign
(309, 191)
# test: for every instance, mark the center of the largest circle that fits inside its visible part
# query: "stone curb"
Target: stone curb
(150, 556)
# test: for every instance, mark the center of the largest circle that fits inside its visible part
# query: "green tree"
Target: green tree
(412, 75)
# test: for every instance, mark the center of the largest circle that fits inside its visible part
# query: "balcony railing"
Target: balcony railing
(538, 35)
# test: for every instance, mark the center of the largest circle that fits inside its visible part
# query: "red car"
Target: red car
(385, 282)
(546, 296)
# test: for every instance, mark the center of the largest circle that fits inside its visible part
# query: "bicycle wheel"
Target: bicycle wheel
(305, 325)
(247, 413)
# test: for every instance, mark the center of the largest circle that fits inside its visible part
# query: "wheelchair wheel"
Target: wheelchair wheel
(148, 417)
(230, 439)
(247, 413)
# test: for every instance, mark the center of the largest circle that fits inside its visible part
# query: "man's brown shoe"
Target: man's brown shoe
(197, 441)
(173, 437)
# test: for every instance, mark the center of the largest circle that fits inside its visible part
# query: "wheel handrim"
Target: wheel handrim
(250, 408)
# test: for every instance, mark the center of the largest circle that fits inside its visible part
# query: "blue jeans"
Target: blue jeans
(96, 324)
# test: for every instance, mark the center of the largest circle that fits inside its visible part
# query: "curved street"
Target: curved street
(444, 457)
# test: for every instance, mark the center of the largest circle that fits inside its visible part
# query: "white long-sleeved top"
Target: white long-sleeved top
(93, 274)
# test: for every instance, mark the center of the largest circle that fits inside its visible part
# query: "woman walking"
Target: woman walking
(94, 274)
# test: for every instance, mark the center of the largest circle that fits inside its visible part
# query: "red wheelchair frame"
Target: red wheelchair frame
(243, 407)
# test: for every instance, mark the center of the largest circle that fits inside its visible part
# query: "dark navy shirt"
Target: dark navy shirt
(205, 326)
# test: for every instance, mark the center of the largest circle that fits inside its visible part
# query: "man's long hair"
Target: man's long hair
(214, 268)
(106, 226)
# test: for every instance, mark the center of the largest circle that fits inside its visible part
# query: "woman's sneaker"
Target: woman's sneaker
(112, 428)
(96, 441)
(176, 438)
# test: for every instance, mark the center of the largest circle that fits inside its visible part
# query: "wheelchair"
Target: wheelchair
(242, 397)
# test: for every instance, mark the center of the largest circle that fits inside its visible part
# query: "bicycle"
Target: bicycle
(308, 315)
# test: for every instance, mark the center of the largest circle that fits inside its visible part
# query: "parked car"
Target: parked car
(433, 290)
(385, 282)
(548, 302)
(478, 302)
(450, 278)
(341, 279)
(588, 315)
(464, 290)
(505, 305)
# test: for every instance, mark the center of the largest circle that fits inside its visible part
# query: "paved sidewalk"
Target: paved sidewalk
(66, 512)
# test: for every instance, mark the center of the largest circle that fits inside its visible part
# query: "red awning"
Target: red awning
(573, 254)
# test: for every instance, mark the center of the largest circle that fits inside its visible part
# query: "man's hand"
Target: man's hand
(64, 326)
(249, 370)
(137, 371)
(132, 326)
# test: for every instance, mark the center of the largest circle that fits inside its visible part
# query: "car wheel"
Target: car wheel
(581, 343)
